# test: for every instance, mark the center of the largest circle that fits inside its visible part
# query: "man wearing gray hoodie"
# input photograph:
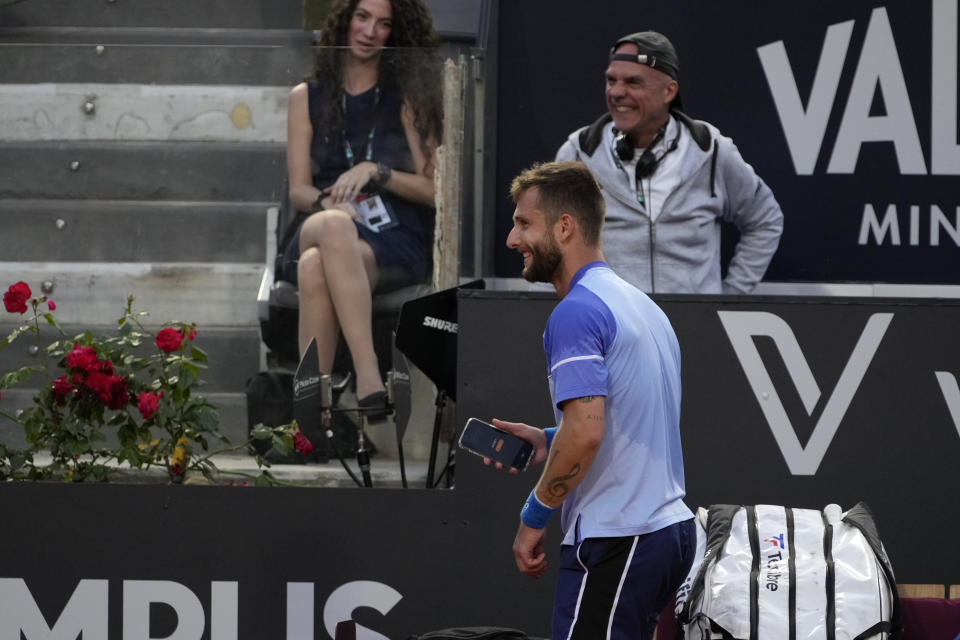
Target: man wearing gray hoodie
(668, 181)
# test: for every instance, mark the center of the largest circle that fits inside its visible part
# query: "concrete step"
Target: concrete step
(116, 170)
(239, 468)
(227, 14)
(207, 64)
(153, 36)
(174, 231)
(94, 294)
(95, 111)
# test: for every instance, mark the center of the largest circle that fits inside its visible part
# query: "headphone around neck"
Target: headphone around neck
(648, 161)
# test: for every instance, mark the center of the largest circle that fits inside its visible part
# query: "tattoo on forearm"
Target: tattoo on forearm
(557, 487)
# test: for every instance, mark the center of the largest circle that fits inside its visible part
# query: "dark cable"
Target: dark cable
(336, 450)
(363, 460)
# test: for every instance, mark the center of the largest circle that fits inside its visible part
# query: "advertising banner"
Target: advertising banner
(848, 111)
(801, 402)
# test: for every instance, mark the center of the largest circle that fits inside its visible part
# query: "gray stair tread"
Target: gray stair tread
(154, 55)
(245, 14)
(230, 114)
(110, 170)
(213, 64)
(212, 294)
(147, 36)
(87, 230)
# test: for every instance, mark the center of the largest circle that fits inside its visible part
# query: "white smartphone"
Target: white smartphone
(485, 440)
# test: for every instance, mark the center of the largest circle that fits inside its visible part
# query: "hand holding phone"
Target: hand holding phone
(486, 441)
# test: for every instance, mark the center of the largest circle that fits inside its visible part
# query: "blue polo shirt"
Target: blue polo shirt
(607, 338)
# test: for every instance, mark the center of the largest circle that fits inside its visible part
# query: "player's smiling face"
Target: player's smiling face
(534, 240)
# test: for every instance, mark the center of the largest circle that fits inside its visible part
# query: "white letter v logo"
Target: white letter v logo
(741, 326)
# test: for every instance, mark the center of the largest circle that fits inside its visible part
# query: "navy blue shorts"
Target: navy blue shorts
(616, 587)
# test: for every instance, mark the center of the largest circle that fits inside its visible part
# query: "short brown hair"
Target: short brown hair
(565, 187)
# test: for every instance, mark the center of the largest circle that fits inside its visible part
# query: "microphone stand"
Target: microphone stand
(363, 456)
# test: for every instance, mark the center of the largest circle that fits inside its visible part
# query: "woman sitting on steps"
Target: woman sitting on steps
(361, 140)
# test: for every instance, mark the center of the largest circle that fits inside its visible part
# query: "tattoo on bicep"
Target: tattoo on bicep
(557, 487)
(587, 399)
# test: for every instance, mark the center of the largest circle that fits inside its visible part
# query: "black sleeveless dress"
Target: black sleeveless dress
(401, 251)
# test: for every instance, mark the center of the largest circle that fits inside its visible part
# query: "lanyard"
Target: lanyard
(347, 147)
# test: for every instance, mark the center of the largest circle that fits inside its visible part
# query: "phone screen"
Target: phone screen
(486, 440)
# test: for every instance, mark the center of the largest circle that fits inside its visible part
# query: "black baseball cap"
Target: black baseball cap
(654, 50)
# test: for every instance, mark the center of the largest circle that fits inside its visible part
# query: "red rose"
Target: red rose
(96, 382)
(169, 340)
(301, 444)
(61, 388)
(148, 403)
(15, 299)
(51, 305)
(192, 334)
(111, 389)
(83, 358)
(119, 393)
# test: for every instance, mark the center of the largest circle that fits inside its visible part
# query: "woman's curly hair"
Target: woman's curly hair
(410, 64)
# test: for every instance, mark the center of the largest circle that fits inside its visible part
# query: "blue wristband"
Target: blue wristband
(535, 514)
(550, 432)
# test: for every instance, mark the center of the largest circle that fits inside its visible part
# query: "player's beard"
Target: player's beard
(545, 259)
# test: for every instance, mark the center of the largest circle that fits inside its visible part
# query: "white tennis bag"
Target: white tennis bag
(769, 573)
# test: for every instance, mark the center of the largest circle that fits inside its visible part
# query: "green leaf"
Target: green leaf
(51, 321)
(16, 333)
(263, 480)
(17, 461)
(208, 419)
(260, 432)
(283, 444)
(188, 375)
(198, 354)
(16, 377)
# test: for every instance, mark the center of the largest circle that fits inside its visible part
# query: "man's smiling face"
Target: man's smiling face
(638, 96)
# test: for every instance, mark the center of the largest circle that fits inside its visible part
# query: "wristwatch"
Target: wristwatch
(383, 173)
(317, 204)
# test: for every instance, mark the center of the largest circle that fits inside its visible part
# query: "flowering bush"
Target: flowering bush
(128, 398)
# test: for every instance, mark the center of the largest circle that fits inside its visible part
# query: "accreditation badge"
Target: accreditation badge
(375, 211)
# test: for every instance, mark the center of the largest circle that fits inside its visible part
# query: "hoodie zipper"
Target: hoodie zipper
(653, 286)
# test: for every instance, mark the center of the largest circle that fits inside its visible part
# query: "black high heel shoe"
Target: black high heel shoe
(375, 407)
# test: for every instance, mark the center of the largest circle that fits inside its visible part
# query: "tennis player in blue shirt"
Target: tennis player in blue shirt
(614, 462)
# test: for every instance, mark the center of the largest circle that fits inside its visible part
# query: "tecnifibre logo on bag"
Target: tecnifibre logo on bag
(773, 561)
(742, 326)
(776, 541)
